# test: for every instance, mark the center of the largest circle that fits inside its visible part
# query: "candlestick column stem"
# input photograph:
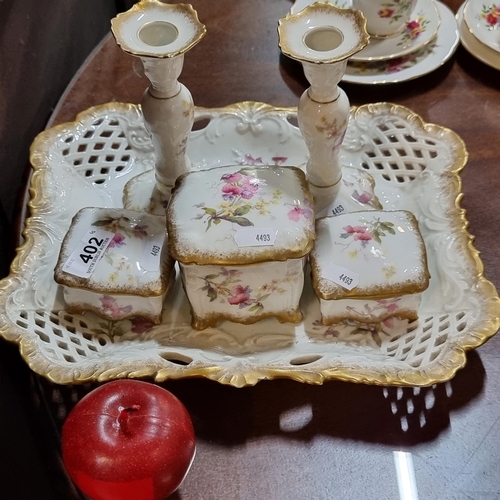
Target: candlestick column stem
(323, 114)
(168, 109)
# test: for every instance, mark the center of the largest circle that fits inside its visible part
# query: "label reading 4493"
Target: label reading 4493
(338, 209)
(85, 257)
(255, 236)
(341, 276)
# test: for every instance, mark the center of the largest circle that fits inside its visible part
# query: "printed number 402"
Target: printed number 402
(90, 249)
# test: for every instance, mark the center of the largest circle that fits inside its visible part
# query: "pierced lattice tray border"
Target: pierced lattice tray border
(88, 162)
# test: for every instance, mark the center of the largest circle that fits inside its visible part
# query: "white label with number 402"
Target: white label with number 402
(342, 276)
(255, 236)
(88, 253)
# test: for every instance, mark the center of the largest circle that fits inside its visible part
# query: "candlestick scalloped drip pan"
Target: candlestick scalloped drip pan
(88, 162)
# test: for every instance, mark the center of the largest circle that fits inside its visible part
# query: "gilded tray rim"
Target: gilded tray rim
(440, 372)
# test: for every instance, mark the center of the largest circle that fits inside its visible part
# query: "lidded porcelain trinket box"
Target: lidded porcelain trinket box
(369, 266)
(115, 263)
(241, 235)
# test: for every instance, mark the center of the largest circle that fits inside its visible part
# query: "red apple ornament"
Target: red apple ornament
(128, 440)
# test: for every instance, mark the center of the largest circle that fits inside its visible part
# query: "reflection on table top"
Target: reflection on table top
(282, 439)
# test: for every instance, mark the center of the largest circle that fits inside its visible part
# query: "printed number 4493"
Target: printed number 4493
(345, 279)
(263, 237)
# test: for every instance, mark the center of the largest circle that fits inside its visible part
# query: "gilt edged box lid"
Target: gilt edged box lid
(115, 251)
(369, 254)
(240, 215)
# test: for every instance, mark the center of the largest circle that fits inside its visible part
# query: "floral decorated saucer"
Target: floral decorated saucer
(482, 19)
(474, 46)
(414, 65)
(302, 4)
(418, 32)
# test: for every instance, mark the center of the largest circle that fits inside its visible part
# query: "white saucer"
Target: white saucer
(413, 65)
(483, 21)
(302, 4)
(474, 46)
(425, 16)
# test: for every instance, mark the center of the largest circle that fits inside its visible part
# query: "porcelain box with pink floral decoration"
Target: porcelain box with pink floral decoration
(369, 266)
(115, 263)
(241, 235)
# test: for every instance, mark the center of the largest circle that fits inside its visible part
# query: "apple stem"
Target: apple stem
(124, 416)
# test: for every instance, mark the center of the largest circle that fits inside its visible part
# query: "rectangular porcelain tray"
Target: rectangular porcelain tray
(88, 162)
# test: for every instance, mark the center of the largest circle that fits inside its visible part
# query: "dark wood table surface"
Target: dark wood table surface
(286, 440)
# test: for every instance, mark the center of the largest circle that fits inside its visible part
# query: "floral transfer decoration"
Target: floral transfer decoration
(111, 308)
(355, 333)
(362, 196)
(240, 196)
(228, 287)
(122, 225)
(297, 213)
(247, 159)
(413, 30)
(491, 15)
(394, 10)
(392, 65)
(332, 130)
(124, 229)
(369, 231)
(120, 328)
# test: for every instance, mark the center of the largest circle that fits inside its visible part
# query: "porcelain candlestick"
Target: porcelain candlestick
(160, 34)
(322, 37)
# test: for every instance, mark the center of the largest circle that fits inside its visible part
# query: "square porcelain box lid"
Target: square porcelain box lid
(370, 254)
(115, 251)
(240, 215)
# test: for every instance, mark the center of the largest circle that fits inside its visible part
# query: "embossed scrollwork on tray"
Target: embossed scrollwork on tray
(88, 162)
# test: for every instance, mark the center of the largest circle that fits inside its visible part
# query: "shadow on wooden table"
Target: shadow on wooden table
(229, 416)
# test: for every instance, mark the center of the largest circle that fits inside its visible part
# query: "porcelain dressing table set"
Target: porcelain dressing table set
(256, 246)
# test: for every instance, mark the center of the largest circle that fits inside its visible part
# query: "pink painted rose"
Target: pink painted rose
(140, 325)
(360, 233)
(364, 197)
(391, 307)
(413, 29)
(296, 213)
(231, 178)
(385, 13)
(279, 160)
(117, 241)
(239, 295)
(250, 186)
(362, 236)
(231, 190)
(110, 306)
(388, 323)
(250, 160)
(493, 17)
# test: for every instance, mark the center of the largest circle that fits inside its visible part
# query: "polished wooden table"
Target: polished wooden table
(285, 440)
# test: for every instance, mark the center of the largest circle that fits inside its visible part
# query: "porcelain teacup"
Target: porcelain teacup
(385, 18)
